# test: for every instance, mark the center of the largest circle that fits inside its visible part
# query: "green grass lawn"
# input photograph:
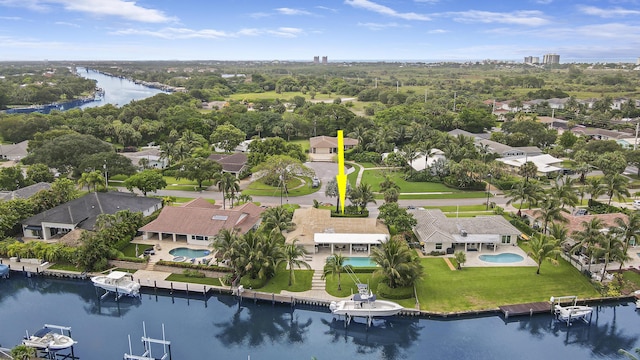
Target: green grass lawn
(455, 195)
(258, 188)
(368, 165)
(353, 176)
(195, 280)
(444, 290)
(184, 184)
(66, 267)
(130, 250)
(632, 277)
(304, 143)
(375, 177)
(281, 281)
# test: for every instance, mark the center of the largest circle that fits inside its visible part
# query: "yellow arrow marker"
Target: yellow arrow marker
(341, 178)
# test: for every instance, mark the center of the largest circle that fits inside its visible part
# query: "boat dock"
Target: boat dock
(525, 309)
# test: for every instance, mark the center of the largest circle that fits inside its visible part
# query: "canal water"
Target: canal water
(117, 91)
(220, 327)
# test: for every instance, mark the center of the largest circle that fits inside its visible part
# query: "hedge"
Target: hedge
(185, 265)
(399, 293)
(133, 259)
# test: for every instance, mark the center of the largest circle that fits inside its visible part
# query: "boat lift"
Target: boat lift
(58, 354)
(363, 290)
(147, 342)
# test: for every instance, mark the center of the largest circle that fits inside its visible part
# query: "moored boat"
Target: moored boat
(48, 338)
(364, 304)
(4, 271)
(118, 282)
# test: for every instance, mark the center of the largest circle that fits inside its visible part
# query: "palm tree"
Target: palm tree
(524, 191)
(527, 170)
(562, 190)
(335, 266)
(23, 352)
(588, 238)
(616, 184)
(559, 232)
(362, 196)
(398, 263)
(292, 257)
(627, 230)
(544, 247)
(594, 188)
(550, 211)
(612, 248)
(410, 154)
(225, 245)
(225, 182)
(275, 220)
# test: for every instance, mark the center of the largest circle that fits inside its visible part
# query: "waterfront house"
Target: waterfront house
(198, 222)
(439, 233)
(83, 212)
(317, 231)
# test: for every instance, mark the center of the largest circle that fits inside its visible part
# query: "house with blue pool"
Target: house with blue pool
(318, 232)
(436, 232)
(198, 222)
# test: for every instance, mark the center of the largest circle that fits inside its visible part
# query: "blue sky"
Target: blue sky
(298, 30)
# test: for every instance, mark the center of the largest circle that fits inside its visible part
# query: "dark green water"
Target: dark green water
(221, 328)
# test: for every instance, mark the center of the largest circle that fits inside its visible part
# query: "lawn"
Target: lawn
(184, 184)
(375, 177)
(455, 195)
(130, 250)
(477, 288)
(304, 143)
(632, 277)
(258, 188)
(281, 281)
(194, 280)
(353, 176)
(349, 287)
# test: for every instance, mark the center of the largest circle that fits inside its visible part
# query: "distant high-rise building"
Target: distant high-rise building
(551, 59)
(316, 59)
(638, 61)
(531, 60)
(324, 60)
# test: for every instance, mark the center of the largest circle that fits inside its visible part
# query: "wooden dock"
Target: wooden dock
(525, 309)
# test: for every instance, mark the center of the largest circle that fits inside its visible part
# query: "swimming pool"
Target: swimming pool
(360, 262)
(189, 253)
(502, 258)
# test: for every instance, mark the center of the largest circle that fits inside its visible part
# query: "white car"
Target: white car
(636, 204)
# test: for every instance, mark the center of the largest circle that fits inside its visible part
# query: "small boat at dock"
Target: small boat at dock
(4, 271)
(118, 282)
(569, 313)
(364, 304)
(48, 338)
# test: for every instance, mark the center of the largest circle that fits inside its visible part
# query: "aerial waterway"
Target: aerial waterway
(109, 90)
(216, 326)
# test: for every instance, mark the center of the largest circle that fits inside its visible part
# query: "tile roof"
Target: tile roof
(230, 163)
(25, 192)
(574, 222)
(201, 203)
(330, 142)
(203, 220)
(83, 212)
(434, 226)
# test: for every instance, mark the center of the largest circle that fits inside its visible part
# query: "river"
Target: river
(117, 91)
(220, 327)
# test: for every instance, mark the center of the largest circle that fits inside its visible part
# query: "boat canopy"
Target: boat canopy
(117, 275)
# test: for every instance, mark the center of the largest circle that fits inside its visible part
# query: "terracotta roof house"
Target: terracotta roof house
(574, 222)
(233, 163)
(317, 231)
(25, 192)
(14, 152)
(198, 222)
(83, 212)
(436, 232)
(323, 148)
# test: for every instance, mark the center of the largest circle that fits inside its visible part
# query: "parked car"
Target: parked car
(149, 251)
(636, 204)
(315, 182)
(581, 212)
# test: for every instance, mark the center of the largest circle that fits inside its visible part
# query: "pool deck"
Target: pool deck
(473, 257)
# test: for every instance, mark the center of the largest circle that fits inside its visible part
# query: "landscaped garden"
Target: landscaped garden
(297, 186)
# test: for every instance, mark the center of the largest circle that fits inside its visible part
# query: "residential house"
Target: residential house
(504, 150)
(83, 212)
(599, 134)
(25, 192)
(547, 165)
(14, 152)
(436, 232)
(198, 222)
(234, 163)
(317, 232)
(323, 148)
(153, 157)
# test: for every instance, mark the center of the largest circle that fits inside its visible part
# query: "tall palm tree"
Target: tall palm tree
(294, 257)
(594, 188)
(588, 238)
(612, 248)
(542, 248)
(227, 183)
(627, 230)
(225, 245)
(275, 220)
(529, 192)
(361, 196)
(562, 190)
(550, 211)
(398, 263)
(616, 184)
(559, 232)
(528, 170)
(335, 266)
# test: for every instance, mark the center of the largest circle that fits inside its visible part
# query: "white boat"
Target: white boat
(49, 339)
(572, 312)
(118, 282)
(364, 304)
(4, 271)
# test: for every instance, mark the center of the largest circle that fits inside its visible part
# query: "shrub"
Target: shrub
(133, 259)
(398, 293)
(185, 265)
(193, 273)
(351, 212)
(250, 283)
(437, 253)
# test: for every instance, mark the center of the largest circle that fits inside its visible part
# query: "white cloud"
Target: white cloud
(427, 1)
(64, 23)
(286, 32)
(327, 9)
(607, 13)
(544, 2)
(384, 10)
(121, 8)
(14, 18)
(379, 26)
(176, 33)
(525, 17)
(437, 31)
(259, 15)
(290, 11)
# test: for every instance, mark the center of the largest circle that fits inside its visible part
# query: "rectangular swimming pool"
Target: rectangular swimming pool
(360, 262)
